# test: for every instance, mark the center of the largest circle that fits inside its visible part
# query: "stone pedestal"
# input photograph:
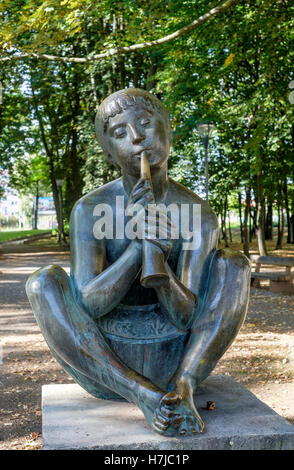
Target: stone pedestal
(72, 419)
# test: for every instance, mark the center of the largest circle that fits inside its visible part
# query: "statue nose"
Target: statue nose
(136, 135)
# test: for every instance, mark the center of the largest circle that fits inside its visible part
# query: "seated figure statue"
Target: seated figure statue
(150, 338)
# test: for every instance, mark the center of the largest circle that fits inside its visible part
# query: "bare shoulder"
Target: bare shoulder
(103, 195)
(183, 195)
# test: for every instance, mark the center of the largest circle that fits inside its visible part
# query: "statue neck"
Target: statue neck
(159, 183)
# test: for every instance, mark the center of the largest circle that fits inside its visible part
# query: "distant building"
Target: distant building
(9, 204)
(17, 212)
(46, 213)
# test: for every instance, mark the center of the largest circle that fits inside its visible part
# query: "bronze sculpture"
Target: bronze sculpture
(141, 318)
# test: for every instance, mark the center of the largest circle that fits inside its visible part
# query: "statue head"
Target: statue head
(130, 121)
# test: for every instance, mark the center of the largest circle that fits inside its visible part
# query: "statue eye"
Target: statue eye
(145, 121)
(119, 132)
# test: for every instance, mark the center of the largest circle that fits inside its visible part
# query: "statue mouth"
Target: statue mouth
(139, 153)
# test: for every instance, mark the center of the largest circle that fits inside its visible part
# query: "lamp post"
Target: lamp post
(205, 130)
(59, 184)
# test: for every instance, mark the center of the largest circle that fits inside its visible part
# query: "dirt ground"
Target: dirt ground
(261, 358)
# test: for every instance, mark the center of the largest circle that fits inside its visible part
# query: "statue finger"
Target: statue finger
(165, 411)
(160, 428)
(159, 214)
(137, 186)
(193, 425)
(171, 225)
(162, 419)
(157, 222)
(139, 192)
(162, 219)
(143, 183)
(145, 198)
(177, 420)
(183, 427)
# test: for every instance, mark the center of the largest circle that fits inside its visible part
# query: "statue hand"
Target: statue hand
(158, 230)
(141, 194)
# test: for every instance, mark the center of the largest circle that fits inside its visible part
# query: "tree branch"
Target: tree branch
(127, 49)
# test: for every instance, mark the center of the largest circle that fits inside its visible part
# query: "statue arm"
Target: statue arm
(102, 293)
(179, 296)
(178, 302)
(99, 286)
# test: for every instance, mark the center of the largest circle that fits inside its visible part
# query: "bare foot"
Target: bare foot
(176, 415)
(172, 413)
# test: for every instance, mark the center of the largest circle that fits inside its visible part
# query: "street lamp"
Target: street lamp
(59, 184)
(205, 130)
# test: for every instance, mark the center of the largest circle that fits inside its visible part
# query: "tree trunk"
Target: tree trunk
(240, 216)
(49, 153)
(286, 199)
(260, 216)
(36, 207)
(269, 222)
(230, 230)
(223, 223)
(72, 173)
(245, 225)
(253, 222)
(292, 216)
(138, 62)
(291, 229)
(151, 81)
(279, 245)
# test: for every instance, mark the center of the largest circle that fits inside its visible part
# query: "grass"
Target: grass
(14, 235)
(288, 249)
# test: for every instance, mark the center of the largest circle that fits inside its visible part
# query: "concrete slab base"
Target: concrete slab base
(73, 419)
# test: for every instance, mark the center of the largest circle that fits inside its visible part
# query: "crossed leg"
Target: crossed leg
(82, 350)
(79, 346)
(219, 319)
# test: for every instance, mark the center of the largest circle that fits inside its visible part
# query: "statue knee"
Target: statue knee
(234, 259)
(231, 268)
(36, 282)
(229, 284)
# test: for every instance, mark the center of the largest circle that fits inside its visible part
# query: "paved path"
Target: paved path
(15, 269)
(261, 358)
(26, 361)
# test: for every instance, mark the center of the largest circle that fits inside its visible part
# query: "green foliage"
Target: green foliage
(29, 174)
(234, 71)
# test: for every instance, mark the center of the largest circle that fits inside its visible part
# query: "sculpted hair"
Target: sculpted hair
(117, 103)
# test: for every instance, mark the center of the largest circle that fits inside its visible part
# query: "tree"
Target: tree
(239, 78)
(68, 16)
(29, 175)
(233, 70)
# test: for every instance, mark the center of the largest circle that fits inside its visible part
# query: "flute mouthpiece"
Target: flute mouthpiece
(145, 167)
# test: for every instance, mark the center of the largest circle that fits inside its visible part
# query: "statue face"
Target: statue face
(135, 130)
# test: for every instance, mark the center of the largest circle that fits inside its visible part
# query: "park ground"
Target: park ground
(261, 358)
